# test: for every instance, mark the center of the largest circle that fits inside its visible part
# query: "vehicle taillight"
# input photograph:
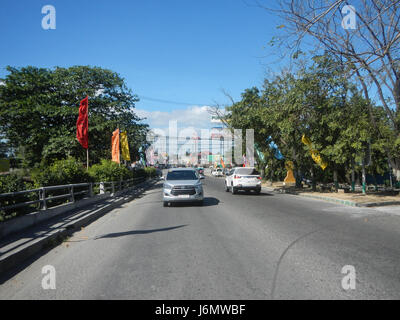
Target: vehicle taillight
(259, 178)
(236, 177)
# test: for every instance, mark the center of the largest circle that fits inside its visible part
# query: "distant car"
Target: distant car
(217, 172)
(182, 185)
(243, 178)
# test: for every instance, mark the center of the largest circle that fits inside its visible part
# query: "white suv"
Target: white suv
(243, 178)
(182, 185)
(217, 172)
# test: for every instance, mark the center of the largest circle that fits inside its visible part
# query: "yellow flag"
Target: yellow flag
(314, 153)
(125, 147)
(289, 175)
(306, 140)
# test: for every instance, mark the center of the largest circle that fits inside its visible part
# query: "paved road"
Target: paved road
(234, 247)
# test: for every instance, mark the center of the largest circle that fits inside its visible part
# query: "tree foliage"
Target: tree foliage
(319, 101)
(369, 49)
(39, 108)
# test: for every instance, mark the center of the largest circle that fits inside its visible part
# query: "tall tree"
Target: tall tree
(39, 108)
(320, 102)
(370, 47)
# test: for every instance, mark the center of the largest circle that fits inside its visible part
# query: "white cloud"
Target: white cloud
(99, 92)
(193, 116)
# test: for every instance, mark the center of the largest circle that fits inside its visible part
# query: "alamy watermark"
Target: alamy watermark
(349, 20)
(349, 280)
(49, 279)
(49, 20)
(191, 146)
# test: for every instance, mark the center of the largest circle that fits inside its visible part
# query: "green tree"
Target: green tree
(39, 108)
(320, 102)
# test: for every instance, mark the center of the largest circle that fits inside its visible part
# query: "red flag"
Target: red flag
(82, 125)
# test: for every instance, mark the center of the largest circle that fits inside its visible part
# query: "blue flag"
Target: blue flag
(277, 153)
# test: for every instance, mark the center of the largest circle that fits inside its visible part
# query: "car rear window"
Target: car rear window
(247, 171)
(182, 175)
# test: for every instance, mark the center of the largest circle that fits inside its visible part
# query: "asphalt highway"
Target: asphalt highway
(244, 246)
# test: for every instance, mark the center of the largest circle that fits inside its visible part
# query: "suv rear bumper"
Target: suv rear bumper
(248, 187)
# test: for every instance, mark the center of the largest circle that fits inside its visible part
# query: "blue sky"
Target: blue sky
(176, 50)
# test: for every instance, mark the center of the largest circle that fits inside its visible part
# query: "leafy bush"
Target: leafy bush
(14, 183)
(139, 173)
(61, 172)
(11, 183)
(150, 172)
(108, 171)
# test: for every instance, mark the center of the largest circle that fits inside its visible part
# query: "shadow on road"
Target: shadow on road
(62, 220)
(133, 232)
(208, 202)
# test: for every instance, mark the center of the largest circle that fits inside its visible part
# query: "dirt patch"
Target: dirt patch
(357, 197)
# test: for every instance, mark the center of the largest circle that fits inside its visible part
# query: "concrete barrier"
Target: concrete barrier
(31, 219)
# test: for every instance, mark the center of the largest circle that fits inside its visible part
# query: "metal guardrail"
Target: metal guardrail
(91, 190)
(114, 186)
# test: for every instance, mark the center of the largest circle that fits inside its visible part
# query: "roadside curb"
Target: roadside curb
(55, 237)
(335, 200)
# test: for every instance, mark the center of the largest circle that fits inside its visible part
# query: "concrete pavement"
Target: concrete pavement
(244, 246)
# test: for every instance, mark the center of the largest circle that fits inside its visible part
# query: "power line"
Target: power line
(174, 102)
